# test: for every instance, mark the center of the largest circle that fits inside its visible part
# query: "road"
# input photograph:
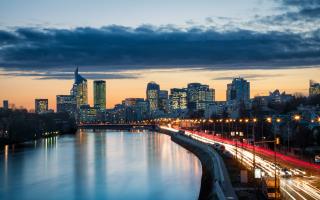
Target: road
(301, 185)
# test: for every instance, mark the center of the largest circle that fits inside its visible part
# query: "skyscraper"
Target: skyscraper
(41, 105)
(80, 89)
(199, 96)
(238, 91)
(99, 94)
(164, 101)
(152, 94)
(178, 99)
(5, 104)
(66, 103)
(314, 88)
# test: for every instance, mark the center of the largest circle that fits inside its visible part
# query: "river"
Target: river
(100, 164)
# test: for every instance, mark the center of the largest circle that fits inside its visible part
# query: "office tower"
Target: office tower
(66, 103)
(88, 114)
(80, 89)
(41, 105)
(152, 94)
(314, 88)
(5, 104)
(164, 101)
(199, 96)
(99, 94)
(178, 99)
(238, 91)
(131, 101)
(136, 109)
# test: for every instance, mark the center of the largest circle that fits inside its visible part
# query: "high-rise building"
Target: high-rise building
(152, 94)
(131, 101)
(41, 105)
(66, 103)
(178, 99)
(199, 96)
(5, 104)
(314, 88)
(238, 91)
(136, 109)
(99, 94)
(80, 89)
(164, 101)
(88, 114)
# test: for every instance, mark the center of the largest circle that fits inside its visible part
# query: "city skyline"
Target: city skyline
(149, 99)
(272, 43)
(262, 82)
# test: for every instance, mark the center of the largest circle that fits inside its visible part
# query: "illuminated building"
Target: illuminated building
(178, 99)
(276, 97)
(99, 94)
(88, 114)
(80, 89)
(164, 101)
(136, 109)
(152, 94)
(199, 96)
(66, 103)
(314, 88)
(5, 104)
(41, 105)
(238, 91)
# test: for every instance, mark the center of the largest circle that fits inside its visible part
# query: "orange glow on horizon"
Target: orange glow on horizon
(22, 91)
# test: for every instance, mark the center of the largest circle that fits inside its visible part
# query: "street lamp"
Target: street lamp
(269, 119)
(296, 117)
(253, 137)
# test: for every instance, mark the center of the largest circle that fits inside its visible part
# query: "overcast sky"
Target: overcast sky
(275, 44)
(130, 35)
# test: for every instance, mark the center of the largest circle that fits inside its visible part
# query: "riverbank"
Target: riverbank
(215, 182)
(18, 126)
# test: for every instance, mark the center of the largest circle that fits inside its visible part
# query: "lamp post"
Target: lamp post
(254, 149)
(221, 121)
(296, 118)
(276, 141)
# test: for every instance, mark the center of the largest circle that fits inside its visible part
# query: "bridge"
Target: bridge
(151, 127)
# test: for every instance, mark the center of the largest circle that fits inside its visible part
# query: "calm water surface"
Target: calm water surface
(100, 164)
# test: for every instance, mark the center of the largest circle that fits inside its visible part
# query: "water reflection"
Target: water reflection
(95, 164)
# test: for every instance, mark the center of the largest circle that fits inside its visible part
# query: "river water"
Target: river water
(100, 164)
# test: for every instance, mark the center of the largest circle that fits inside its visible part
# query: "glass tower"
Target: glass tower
(99, 94)
(80, 89)
(238, 90)
(153, 91)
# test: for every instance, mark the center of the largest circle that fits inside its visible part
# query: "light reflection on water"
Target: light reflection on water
(100, 164)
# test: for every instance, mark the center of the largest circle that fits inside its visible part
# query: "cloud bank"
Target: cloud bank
(118, 47)
(288, 39)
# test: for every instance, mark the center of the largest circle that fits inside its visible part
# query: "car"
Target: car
(285, 172)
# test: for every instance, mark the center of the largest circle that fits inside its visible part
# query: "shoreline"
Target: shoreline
(212, 187)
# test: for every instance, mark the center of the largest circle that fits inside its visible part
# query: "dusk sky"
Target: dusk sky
(275, 44)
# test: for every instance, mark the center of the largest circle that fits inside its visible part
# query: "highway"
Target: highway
(301, 185)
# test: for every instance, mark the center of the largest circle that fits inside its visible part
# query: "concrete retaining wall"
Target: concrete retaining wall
(207, 181)
(215, 182)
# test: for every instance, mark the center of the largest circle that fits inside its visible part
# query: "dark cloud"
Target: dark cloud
(301, 3)
(70, 76)
(123, 48)
(249, 76)
(306, 9)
